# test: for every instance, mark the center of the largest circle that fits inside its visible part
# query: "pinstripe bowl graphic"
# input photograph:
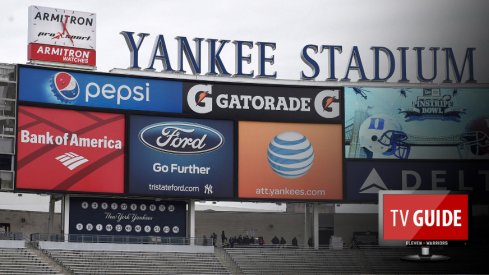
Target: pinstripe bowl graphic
(290, 155)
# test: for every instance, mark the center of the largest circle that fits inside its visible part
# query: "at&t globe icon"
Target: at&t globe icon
(290, 154)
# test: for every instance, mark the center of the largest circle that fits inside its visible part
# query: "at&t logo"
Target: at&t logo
(290, 155)
(65, 87)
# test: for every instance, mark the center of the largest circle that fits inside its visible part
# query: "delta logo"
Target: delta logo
(181, 138)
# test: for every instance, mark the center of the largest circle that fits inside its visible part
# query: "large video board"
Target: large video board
(182, 137)
(66, 150)
(416, 139)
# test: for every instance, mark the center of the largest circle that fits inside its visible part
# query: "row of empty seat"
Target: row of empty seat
(364, 260)
(294, 261)
(127, 262)
(22, 261)
(463, 260)
(249, 261)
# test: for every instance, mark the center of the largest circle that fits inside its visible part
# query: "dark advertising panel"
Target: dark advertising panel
(364, 179)
(64, 150)
(415, 123)
(75, 88)
(263, 102)
(290, 161)
(191, 158)
(136, 217)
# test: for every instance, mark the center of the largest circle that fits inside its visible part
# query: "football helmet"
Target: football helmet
(382, 135)
(474, 142)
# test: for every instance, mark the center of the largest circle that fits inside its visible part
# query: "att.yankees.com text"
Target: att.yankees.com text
(287, 191)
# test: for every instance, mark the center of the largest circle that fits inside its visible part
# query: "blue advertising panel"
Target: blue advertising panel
(364, 178)
(75, 88)
(135, 217)
(414, 123)
(191, 158)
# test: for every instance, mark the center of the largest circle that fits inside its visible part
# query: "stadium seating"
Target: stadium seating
(249, 260)
(464, 260)
(270, 260)
(22, 261)
(371, 259)
(124, 262)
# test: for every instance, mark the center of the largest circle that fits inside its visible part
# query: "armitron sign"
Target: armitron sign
(62, 36)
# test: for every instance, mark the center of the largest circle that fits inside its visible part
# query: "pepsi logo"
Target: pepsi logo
(290, 155)
(181, 138)
(65, 87)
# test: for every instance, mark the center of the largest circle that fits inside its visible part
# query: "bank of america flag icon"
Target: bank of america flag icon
(71, 160)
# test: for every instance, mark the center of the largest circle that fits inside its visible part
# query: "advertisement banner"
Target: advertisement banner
(364, 178)
(135, 217)
(413, 123)
(96, 90)
(191, 158)
(263, 102)
(433, 217)
(61, 54)
(63, 36)
(56, 154)
(290, 161)
(60, 27)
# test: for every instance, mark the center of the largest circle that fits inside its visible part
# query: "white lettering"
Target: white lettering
(121, 93)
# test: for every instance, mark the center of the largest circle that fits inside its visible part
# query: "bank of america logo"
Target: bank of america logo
(71, 160)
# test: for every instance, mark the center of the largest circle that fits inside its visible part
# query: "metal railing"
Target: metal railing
(11, 236)
(121, 239)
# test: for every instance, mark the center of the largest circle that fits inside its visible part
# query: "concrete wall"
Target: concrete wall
(126, 247)
(12, 244)
(267, 225)
(346, 224)
(29, 222)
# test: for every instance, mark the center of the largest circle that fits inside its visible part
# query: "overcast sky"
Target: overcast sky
(290, 24)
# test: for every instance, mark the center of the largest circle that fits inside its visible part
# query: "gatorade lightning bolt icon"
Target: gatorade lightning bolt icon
(201, 95)
(327, 102)
(65, 87)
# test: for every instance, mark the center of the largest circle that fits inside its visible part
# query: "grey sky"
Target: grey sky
(290, 24)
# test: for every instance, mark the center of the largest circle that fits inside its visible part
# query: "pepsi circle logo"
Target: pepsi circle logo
(290, 155)
(65, 87)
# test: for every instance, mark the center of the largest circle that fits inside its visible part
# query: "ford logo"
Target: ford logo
(181, 138)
